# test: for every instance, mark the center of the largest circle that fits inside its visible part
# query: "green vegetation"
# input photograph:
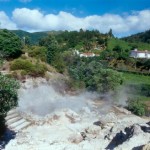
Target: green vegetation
(8, 94)
(94, 76)
(36, 69)
(137, 85)
(33, 38)
(140, 46)
(138, 91)
(124, 45)
(136, 78)
(53, 52)
(38, 52)
(137, 107)
(82, 40)
(10, 44)
(140, 37)
(8, 98)
(113, 42)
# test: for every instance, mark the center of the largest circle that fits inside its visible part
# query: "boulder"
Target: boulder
(76, 138)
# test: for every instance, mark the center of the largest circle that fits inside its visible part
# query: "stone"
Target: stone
(76, 138)
(146, 147)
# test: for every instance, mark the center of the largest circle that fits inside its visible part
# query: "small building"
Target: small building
(87, 54)
(140, 54)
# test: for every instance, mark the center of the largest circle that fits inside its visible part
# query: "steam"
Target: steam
(44, 99)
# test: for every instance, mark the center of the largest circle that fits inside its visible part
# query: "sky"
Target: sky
(124, 17)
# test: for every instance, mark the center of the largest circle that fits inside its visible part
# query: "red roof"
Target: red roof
(88, 53)
(144, 51)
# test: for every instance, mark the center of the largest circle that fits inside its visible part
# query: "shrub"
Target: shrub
(28, 68)
(20, 64)
(38, 70)
(39, 52)
(94, 76)
(8, 94)
(136, 106)
(23, 73)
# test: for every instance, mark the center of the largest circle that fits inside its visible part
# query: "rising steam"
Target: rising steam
(44, 99)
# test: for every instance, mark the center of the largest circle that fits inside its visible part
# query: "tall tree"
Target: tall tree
(10, 44)
(52, 47)
(110, 33)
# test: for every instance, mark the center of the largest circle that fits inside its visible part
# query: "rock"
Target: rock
(73, 116)
(76, 138)
(146, 147)
(93, 130)
(122, 110)
(108, 118)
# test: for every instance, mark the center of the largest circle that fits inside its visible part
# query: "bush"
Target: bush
(28, 68)
(8, 94)
(38, 70)
(38, 52)
(8, 98)
(95, 76)
(136, 106)
(20, 64)
(23, 73)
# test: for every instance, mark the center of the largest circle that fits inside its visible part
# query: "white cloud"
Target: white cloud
(36, 20)
(5, 22)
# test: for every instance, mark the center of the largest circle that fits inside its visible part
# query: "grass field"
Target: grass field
(140, 85)
(117, 42)
(136, 78)
(126, 45)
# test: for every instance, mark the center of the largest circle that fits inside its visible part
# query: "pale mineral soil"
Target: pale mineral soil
(88, 128)
(83, 133)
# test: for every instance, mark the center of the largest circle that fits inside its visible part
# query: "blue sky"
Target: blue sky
(125, 17)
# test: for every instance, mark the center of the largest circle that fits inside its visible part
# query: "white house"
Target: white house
(140, 54)
(86, 54)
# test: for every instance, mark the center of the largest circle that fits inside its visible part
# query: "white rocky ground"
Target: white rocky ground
(85, 129)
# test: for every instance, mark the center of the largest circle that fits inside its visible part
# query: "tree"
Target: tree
(95, 77)
(52, 50)
(110, 34)
(27, 40)
(52, 47)
(10, 44)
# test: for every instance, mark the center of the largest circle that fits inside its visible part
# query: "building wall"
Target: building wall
(141, 55)
(136, 54)
(148, 55)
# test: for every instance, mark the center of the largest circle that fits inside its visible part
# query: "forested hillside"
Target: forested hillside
(139, 37)
(33, 38)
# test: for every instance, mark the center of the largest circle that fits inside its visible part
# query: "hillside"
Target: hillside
(113, 42)
(33, 37)
(139, 37)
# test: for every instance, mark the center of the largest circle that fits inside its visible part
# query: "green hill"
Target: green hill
(113, 42)
(139, 37)
(34, 37)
